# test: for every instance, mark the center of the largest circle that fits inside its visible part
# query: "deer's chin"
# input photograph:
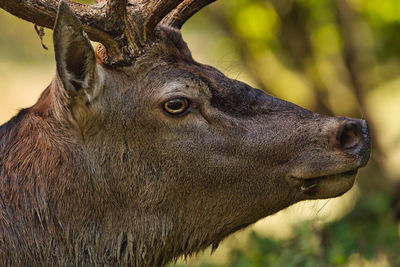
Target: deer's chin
(326, 186)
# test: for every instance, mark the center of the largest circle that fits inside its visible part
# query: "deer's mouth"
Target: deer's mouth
(326, 186)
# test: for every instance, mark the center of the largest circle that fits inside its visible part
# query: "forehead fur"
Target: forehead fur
(171, 46)
(227, 95)
(170, 59)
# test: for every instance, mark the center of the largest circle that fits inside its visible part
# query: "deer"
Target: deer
(136, 154)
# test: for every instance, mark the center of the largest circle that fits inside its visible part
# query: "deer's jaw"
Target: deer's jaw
(324, 186)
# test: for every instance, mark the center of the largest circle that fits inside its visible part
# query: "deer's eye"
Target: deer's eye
(176, 106)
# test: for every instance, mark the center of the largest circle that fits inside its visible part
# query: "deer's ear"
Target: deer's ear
(75, 58)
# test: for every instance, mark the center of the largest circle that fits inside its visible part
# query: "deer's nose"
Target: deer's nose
(353, 137)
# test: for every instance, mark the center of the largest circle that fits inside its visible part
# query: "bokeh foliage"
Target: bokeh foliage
(335, 57)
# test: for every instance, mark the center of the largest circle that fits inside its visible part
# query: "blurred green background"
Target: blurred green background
(335, 57)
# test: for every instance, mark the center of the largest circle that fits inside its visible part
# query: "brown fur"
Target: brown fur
(116, 181)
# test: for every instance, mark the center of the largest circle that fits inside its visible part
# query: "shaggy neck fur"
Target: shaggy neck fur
(59, 205)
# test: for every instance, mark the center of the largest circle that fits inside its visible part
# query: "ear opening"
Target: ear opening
(75, 58)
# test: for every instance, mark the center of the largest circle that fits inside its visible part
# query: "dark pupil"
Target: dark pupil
(175, 104)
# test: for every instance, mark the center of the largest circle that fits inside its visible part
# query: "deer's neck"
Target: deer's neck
(57, 207)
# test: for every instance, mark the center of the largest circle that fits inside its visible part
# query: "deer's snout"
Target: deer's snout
(353, 137)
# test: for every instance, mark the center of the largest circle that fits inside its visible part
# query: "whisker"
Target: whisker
(323, 206)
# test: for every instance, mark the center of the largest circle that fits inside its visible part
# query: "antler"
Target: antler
(123, 27)
(184, 11)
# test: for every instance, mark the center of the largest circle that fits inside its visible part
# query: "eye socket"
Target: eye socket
(176, 106)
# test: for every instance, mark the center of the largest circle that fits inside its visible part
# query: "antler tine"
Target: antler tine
(118, 5)
(133, 26)
(114, 17)
(152, 12)
(184, 11)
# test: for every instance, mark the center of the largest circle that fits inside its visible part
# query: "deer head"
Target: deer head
(137, 154)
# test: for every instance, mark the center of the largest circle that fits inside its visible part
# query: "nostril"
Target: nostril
(353, 138)
(349, 136)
